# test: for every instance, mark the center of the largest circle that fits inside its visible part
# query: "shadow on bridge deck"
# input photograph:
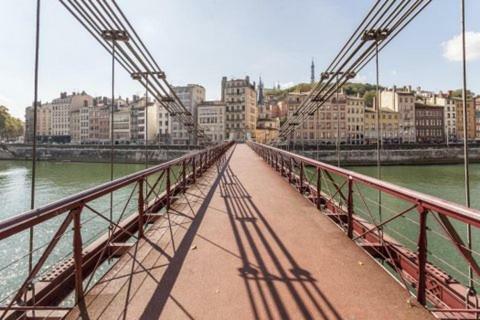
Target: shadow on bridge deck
(242, 244)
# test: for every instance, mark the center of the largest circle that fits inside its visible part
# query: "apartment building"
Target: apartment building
(389, 125)
(99, 120)
(190, 95)
(449, 114)
(66, 116)
(355, 118)
(293, 101)
(471, 118)
(211, 116)
(163, 124)
(144, 123)
(429, 123)
(403, 102)
(240, 98)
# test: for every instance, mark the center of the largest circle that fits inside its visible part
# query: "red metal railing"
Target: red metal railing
(45, 287)
(372, 211)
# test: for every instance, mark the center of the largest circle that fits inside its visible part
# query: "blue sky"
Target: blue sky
(199, 41)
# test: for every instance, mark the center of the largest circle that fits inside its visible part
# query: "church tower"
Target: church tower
(312, 72)
(260, 92)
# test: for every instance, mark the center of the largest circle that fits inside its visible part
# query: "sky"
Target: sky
(199, 41)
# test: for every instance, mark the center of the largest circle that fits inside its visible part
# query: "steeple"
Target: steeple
(312, 72)
(260, 92)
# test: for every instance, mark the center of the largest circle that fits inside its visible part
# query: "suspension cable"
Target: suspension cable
(471, 290)
(112, 131)
(379, 133)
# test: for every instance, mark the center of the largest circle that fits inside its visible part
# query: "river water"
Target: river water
(56, 180)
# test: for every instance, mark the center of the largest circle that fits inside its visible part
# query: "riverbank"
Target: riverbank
(411, 156)
(94, 154)
(136, 154)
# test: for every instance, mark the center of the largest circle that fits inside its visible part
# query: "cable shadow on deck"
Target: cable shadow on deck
(165, 285)
(269, 270)
(132, 274)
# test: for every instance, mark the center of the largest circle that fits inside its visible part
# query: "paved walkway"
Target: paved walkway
(246, 245)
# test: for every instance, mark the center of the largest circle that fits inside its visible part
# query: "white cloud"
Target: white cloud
(287, 85)
(360, 78)
(452, 49)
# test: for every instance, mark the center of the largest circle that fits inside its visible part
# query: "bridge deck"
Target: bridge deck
(246, 245)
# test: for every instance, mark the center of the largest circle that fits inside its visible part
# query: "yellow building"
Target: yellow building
(389, 123)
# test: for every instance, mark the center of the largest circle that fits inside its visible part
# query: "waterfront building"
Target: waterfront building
(293, 101)
(190, 95)
(144, 124)
(240, 98)
(163, 124)
(66, 116)
(44, 123)
(449, 114)
(429, 123)
(121, 122)
(355, 118)
(471, 118)
(477, 117)
(403, 102)
(99, 120)
(211, 117)
(28, 125)
(389, 124)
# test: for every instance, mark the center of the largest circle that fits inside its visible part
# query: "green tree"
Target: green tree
(10, 127)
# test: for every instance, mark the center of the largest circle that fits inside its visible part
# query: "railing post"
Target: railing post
(184, 175)
(194, 170)
(141, 206)
(167, 188)
(290, 168)
(281, 166)
(77, 254)
(319, 187)
(302, 173)
(422, 256)
(350, 208)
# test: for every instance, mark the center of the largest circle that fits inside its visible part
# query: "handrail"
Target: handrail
(30, 218)
(448, 208)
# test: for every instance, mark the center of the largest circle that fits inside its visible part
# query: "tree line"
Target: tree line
(10, 127)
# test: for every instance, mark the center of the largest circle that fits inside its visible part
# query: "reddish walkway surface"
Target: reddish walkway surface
(246, 245)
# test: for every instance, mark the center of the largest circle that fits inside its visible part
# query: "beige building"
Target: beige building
(471, 118)
(121, 123)
(328, 122)
(403, 102)
(293, 100)
(389, 124)
(65, 110)
(44, 120)
(190, 95)
(143, 124)
(240, 98)
(211, 116)
(163, 124)
(355, 117)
